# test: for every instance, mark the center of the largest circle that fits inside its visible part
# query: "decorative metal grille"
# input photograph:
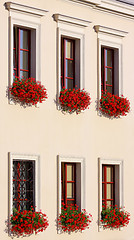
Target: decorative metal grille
(23, 185)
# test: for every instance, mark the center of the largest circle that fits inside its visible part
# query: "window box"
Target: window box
(74, 100)
(113, 106)
(27, 92)
(113, 217)
(72, 219)
(27, 222)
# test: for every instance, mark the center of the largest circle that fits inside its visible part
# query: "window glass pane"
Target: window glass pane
(109, 57)
(108, 76)
(103, 191)
(109, 191)
(109, 89)
(69, 49)
(24, 74)
(109, 204)
(69, 202)
(69, 68)
(69, 173)
(109, 174)
(69, 190)
(69, 84)
(23, 60)
(24, 39)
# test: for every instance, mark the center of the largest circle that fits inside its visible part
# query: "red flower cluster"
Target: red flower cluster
(114, 217)
(27, 91)
(113, 105)
(72, 219)
(28, 222)
(74, 100)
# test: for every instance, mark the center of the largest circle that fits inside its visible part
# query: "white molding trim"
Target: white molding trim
(71, 160)
(115, 162)
(26, 157)
(11, 6)
(110, 6)
(67, 19)
(111, 31)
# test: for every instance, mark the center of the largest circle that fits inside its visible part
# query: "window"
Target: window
(23, 185)
(107, 69)
(71, 47)
(110, 184)
(23, 182)
(25, 40)
(71, 181)
(67, 63)
(110, 43)
(68, 183)
(21, 52)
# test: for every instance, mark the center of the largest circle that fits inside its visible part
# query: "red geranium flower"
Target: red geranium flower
(114, 106)
(74, 100)
(114, 217)
(28, 222)
(72, 219)
(27, 91)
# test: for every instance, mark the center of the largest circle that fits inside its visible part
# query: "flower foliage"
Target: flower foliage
(114, 217)
(113, 105)
(27, 91)
(28, 222)
(74, 100)
(72, 219)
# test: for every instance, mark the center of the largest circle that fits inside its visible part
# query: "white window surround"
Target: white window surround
(29, 17)
(81, 162)
(119, 172)
(112, 38)
(23, 157)
(73, 28)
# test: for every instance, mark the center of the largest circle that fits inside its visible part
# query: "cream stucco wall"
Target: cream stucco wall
(45, 131)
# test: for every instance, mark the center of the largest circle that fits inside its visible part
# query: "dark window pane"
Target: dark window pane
(24, 39)
(108, 76)
(23, 60)
(109, 57)
(109, 89)
(69, 84)
(24, 74)
(69, 68)
(23, 185)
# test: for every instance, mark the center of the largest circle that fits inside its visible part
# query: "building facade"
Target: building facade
(46, 156)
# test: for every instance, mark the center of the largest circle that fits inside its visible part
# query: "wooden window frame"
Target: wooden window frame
(64, 182)
(105, 182)
(119, 197)
(17, 63)
(80, 180)
(103, 63)
(64, 58)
